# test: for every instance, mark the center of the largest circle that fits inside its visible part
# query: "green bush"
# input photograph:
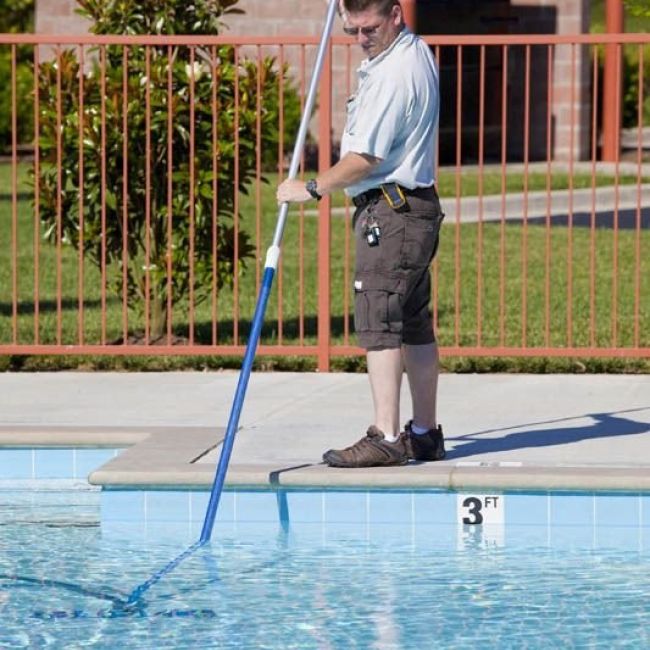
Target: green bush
(16, 16)
(24, 103)
(638, 8)
(630, 85)
(191, 253)
(630, 105)
(637, 19)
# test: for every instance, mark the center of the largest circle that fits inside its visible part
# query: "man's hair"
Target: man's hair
(382, 6)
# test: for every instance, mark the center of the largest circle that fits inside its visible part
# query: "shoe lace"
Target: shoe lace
(368, 442)
(365, 441)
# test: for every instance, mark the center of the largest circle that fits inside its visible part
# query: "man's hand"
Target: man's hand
(292, 191)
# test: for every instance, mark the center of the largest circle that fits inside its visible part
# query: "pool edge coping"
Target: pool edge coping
(165, 457)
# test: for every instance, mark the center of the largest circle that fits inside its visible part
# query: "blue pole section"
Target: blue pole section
(272, 257)
(140, 590)
(238, 402)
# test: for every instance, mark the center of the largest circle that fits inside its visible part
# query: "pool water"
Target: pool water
(310, 569)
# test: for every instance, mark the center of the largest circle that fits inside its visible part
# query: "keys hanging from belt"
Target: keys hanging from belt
(372, 232)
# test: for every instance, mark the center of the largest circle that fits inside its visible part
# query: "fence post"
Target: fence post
(324, 215)
(409, 11)
(612, 86)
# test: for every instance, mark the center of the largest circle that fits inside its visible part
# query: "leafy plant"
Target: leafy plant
(197, 77)
(24, 92)
(631, 85)
(637, 19)
(16, 16)
(638, 8)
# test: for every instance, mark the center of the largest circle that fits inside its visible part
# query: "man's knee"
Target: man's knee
(419, 332)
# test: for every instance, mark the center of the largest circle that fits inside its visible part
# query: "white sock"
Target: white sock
(418, 431)
(391, 438)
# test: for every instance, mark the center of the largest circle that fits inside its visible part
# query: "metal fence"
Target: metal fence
(138, 223)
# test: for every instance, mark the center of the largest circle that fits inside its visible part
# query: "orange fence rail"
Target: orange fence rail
(138, 176)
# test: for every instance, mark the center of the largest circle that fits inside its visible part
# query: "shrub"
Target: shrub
(16, 16)
(637, 19)
(638, 8)
(631, 87)
(24, 92)
(192, 251)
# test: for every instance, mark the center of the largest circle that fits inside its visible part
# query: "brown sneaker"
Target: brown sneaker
(424, 446)
(371, 451)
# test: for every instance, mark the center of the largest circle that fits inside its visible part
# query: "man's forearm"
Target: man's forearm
(351, 169)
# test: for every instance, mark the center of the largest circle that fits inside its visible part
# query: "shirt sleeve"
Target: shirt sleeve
(381, 119)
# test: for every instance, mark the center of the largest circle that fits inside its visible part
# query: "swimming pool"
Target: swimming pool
(323, 569)
(316, 569)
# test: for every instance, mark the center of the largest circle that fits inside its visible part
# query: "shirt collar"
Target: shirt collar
(368, 64)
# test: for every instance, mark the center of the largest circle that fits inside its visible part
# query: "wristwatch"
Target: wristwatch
(312, 187)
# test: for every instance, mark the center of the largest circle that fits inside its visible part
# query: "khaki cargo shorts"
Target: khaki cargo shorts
(392, 281)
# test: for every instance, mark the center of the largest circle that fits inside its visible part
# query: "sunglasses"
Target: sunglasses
(366, 31)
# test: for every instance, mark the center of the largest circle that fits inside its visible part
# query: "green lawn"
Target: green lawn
(501, 323)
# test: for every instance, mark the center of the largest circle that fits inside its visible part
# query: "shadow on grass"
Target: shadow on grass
(625, 220)
(26, 308)
(20, 196)
(605, 425)
(291, 329)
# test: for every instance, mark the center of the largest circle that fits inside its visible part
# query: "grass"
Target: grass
(291, 315)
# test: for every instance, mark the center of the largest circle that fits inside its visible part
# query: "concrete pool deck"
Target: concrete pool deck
(502, 431)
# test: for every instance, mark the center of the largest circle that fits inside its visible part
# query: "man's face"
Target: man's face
(373, 30)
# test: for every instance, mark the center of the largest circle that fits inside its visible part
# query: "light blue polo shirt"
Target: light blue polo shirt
(394, 115)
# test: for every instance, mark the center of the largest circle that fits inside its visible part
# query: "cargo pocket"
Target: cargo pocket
(394, 314)
(378, 305)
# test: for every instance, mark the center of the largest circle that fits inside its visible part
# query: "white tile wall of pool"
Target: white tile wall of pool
(47, 463)
(448, 519)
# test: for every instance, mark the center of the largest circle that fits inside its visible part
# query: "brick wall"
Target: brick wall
(572, 17)
(58, 17)
(299, 17)
(269, 18)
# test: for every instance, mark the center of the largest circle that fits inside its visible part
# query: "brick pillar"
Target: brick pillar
(58, 17)
(300, 17)
(572, 103)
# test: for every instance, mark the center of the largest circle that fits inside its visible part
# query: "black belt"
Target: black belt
(375, 193)
(361, 200)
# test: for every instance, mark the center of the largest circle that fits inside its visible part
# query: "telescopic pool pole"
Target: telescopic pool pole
(270, 266)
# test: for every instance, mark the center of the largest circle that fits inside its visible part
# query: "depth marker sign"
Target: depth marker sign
(481, 519)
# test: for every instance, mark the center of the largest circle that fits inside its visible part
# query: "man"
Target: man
(387, 167)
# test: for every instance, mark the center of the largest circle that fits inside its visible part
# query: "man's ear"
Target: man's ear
(398, 16)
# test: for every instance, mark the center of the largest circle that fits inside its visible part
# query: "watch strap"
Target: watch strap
(312, 187)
